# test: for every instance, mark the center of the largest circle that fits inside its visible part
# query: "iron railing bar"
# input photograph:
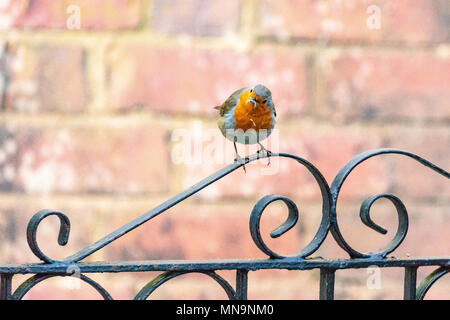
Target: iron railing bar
(5, 286)
(410, 285)
(223, 264)
(241, 284)
(327, 277)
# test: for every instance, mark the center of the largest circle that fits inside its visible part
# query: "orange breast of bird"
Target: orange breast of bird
(249, 116)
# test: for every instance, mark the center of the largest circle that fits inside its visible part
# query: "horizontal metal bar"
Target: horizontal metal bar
(229, 264)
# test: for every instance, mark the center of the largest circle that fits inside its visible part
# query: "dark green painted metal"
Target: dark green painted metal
(241, 284)
(410, 283)
(430, 280)
(339, 180)
(34, 280)
(326, 290)
(5, 286)
(300, 261)
(63, 236)
(225, 264)
(150, 287)
(402, 221)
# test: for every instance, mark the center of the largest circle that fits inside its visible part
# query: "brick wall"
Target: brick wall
(88, 115)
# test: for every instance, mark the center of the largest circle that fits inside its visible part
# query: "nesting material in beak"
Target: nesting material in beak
(252, 100)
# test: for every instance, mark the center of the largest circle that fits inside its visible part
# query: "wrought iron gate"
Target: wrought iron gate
(301, 261)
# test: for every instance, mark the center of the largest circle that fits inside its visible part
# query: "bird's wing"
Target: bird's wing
(272, 107)
(230, 102)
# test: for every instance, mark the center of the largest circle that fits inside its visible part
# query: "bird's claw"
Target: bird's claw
(267, 152)
(242, 161)
(239, 159)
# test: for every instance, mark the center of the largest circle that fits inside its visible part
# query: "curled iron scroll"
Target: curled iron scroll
(255, 219)
(65, 223)
(292, 219)
(329, 216)
(34, 280)
(402, 220)
(63, 235)
(366, 205)
(430, 280)
(150, 287)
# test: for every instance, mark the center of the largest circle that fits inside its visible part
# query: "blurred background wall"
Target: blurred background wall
(91, 94)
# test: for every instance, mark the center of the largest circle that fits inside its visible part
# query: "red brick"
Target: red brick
(353, 284)
(404, 20)
(426, 235)
(50, 14)
(3, 67)
(123, 160)
(428, 230)
(46, 78)
(15, 214)
(194, 81)
(195, 17)
(413, 179)
(13, 244)
(327, 148)
(9, 155)
(201, 231)
(288, 285)
(389, 87)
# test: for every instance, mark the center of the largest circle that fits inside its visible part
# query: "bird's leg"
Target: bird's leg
(263, 149)
(239, 159)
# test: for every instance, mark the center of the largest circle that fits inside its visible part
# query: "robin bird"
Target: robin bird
(248, 117)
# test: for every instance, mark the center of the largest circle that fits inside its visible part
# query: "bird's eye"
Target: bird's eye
(264, 101)
(251, 90)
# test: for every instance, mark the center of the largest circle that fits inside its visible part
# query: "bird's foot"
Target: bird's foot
(263, 151)
(242, 161)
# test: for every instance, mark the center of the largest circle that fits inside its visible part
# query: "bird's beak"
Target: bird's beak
(253, 100)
